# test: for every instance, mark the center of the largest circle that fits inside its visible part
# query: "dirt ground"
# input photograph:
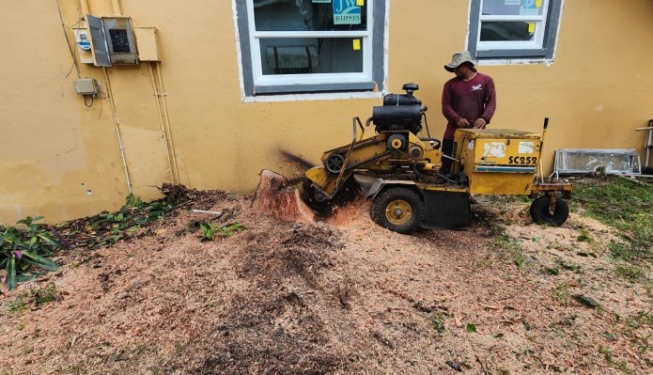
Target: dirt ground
(345, 296)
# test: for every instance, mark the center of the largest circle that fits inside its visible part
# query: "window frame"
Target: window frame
(255, 83)
(543, 48)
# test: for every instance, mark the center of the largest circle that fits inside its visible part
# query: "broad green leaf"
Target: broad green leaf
(470, 328)
(11, 272)
(18, 244)
(29, 262)
(30, 277)
(50, 240)
(40, 261)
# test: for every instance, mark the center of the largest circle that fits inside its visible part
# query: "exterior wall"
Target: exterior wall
(62, 159)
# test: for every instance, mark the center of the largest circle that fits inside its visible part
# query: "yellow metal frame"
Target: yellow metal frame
(495, 161)
(374, 153)
(498, 161)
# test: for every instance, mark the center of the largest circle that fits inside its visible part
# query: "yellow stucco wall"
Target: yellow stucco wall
(62, 159)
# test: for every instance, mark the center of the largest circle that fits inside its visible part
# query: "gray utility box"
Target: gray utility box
(86, 86)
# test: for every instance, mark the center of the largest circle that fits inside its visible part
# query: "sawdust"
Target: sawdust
(340, 296)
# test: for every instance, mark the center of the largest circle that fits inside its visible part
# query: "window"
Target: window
(311, 46)
(513, 29)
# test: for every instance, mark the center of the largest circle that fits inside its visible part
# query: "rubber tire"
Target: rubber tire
(539, 211)
(387, 197)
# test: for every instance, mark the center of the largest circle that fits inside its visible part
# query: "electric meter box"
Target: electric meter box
(112, 41)
(498, 161)
(83, 42)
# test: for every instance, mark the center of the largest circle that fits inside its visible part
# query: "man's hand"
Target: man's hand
(479, 123)
(463, 123)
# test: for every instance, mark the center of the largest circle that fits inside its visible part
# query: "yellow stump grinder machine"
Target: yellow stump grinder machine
(400, 170)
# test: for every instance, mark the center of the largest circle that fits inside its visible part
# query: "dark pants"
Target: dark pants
(447, 149)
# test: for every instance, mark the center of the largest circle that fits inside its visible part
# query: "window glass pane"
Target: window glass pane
(311, 55)
(305, 15)
(508, 31)
(513, 7)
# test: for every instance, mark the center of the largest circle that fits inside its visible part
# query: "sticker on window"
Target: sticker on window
(494, 149)
(346, 12)
(528, 8)
(526, 147)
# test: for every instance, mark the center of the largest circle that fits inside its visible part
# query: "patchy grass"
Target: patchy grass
(18, 305)
(561, 293)
(623, 204)
(511, 248)
(437, 321)
(629, 272)
(35, 298)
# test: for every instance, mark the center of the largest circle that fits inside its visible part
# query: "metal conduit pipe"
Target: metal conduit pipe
(158, 96)
(166, 121)
(118, 132)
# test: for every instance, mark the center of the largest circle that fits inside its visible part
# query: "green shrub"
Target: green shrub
(24, 248)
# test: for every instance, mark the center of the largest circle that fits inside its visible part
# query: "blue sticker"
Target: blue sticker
(528, 8)
(84, 43)
(346, 12)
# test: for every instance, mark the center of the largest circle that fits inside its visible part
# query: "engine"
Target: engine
(399, 112)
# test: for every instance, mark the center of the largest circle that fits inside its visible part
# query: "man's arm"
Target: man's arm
(489, 100)
(447, 109)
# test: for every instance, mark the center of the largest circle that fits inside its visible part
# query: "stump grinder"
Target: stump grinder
(399, 170)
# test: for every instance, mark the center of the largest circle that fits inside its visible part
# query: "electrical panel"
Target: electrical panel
(112, 41)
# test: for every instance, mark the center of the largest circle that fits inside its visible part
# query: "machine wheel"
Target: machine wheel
(398, 209)
(540, 211)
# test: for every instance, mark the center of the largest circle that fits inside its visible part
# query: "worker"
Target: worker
(468, 101)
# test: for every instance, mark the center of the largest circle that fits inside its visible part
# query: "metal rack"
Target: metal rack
(608, 161)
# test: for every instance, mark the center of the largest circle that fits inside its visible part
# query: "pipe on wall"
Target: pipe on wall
(166, 118)
(162, 112)
(116, 122)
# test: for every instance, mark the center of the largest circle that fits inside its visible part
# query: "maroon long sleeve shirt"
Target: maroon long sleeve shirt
(470, 100)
